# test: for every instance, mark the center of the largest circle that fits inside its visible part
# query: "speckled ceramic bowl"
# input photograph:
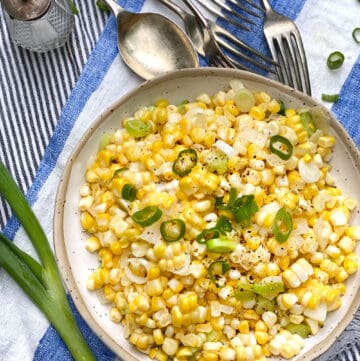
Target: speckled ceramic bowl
(76, 263)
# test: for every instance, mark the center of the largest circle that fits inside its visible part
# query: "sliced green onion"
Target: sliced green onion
(218, 268)
(282, 225)
(308, 122)
(147, 216)
(331, 98)
(335, 60)
(282, 107)
(104, 141)
(185, 161)
(41, 280)
(128, 192)
(245, 207)
(172, 230)
(301, 329)
(216, 161)
(267, 290)
(284, 149)
(182, 106)
(207, 234)
(356, 35)
(138, 128)
(223, 225)
(244, 99)
(222, 244)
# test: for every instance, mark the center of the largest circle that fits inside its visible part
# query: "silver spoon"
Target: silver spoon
(150, 44)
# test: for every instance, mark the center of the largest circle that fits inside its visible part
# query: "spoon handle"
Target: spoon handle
(177, 9)
(114, 6)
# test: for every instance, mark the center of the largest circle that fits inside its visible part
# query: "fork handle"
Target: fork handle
(177, 9)
(196, 12)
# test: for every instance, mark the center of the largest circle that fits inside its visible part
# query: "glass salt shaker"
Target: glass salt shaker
(38, 25)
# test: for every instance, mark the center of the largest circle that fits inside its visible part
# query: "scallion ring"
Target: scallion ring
(356, 35)
(185, 161)
(221, 244)
(172, 230)
(285, 148)
(128, 192)
(218, 268)
(147, 216)
(335, 60)
(138, 128)
(282, 225)
(330, 98)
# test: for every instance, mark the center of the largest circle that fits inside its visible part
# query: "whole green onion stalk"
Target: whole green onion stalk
(40, 281)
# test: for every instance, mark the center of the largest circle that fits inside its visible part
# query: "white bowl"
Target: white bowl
(76, 263)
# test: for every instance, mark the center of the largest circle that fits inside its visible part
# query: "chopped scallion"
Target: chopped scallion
(330, 98)
(335, 60)
(356, 35)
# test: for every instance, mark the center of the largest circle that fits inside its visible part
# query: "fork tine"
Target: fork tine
(238, 5)
(304, 67)
(236, 41)
(218, 13)
(254, 4)
(241, 55)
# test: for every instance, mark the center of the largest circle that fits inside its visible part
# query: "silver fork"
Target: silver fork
(204, 33)
(237, 18)
(286, 47)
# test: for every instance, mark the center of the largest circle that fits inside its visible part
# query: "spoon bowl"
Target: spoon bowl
(150, 44)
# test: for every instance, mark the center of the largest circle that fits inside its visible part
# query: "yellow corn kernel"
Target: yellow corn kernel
(158, 336)
(326, 141)
(159, 249)
(154, 287)
(92, 244)
(244, 327)
(209, 139)
(116, 248)
(274, 106)
(153, 272)
(189, 185)
(157, 303)
(109, 293)
(350, 266)
(197, 135)
(209, 356)
(158, 355)
(331, 268)
(87, 220)
(289, 112)
(188, 302)
(261, 337)
(353, 232)
(289, 200)
(161, 103)
(102, 220)
(184, 353)
(257, 113)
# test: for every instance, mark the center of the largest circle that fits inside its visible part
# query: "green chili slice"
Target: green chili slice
(282, 225)
(222, 244)
(284, 149)
(128, 192)
(172, 230)
(118, 172)
(330, 98)
(282, 107)
(356, 35)
(335, 60)
(267, 290)
(207, 234)
(185, 161)
(301, 329)
(147, 216)
(218, 268)
(307, 122)
(138, 128)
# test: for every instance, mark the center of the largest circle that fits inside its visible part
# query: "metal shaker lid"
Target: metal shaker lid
(26, 9)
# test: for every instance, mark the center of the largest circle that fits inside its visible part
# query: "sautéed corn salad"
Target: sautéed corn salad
(220, 232)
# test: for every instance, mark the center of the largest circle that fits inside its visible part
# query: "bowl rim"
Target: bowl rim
(60, 198)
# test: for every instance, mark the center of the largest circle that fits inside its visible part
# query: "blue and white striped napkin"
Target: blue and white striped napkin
(325, 26)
